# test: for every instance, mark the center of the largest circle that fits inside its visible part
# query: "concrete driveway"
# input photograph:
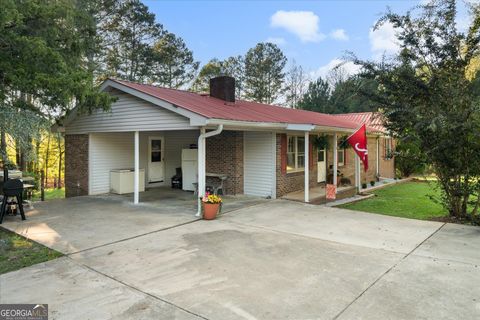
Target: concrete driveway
(275, 260)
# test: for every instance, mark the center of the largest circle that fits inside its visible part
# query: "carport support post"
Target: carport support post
(136, 175)
(307, 167)
(335, 161)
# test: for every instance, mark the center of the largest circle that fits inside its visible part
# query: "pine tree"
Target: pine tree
(173, 63)
(264, 72)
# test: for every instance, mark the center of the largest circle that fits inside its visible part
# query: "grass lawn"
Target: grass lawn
(51, 193)
(408, 200)
(17, 252)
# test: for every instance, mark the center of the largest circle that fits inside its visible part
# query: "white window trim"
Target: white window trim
(295, 153)
(341, 164)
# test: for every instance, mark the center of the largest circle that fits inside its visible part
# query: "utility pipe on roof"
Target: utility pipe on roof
(201, 163)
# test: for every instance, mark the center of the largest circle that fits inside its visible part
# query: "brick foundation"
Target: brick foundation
(76, 165)
(224, 154)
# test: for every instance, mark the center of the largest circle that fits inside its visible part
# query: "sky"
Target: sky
(316, 34)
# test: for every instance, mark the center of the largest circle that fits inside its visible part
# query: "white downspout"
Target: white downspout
(201, 163)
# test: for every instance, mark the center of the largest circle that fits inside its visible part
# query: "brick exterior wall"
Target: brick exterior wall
(387, 166)
(224, 154)
(294, 181)
(348, 169)
(76, 165)
(371, 174)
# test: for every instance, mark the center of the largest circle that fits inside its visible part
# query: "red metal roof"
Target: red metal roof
(213, 108)
(374, 120)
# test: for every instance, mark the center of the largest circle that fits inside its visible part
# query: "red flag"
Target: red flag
(358, 141)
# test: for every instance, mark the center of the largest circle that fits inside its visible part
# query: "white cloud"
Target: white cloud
(347, 66)
(383, 40)
(303, 24)
(339, 34)
(277, 40)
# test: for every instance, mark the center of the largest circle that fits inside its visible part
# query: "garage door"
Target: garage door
(259, 164)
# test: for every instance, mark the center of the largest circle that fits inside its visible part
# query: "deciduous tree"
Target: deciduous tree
(212, 69)
(296, 81)
(429, 94)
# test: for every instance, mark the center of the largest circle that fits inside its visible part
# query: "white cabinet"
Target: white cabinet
(122, 181)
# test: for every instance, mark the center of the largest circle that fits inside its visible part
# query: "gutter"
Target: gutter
(201, 163)
(242, 125)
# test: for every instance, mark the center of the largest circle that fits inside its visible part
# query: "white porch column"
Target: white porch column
(136, 176)
(307, 167)
(335, 160)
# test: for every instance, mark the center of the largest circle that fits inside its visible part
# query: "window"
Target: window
(388, 148)
(156, 150)
(340, 157)
(295, 154)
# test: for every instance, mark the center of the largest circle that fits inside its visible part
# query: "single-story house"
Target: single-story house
(264, 150)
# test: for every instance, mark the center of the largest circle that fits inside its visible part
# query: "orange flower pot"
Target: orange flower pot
(210, 210)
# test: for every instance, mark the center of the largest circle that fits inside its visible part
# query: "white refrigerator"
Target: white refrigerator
(189, 169)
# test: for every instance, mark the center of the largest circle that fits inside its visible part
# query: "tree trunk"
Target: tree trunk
(42, 186)
(60, 160)
(47, 155)
(36, 167)
(3, 148)
(17, 154)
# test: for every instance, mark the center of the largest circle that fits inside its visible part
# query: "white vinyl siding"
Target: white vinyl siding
(128, 113)
(108, 151)
(259, 164)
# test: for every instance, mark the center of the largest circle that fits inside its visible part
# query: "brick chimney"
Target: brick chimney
(223, 87)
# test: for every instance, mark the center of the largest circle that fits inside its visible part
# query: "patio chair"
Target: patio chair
(12, 189)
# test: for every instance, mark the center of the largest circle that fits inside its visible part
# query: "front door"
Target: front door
(155, 159)
(321, 166)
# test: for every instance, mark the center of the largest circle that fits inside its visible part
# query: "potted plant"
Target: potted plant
(211, 205)
(321, 142)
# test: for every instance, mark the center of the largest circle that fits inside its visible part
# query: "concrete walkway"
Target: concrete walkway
(275, 260)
